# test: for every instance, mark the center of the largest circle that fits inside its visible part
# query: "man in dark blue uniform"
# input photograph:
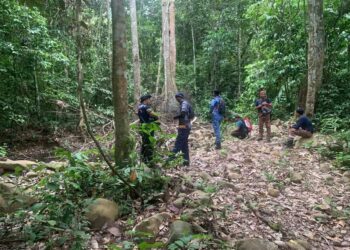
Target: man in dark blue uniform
(217, 116)
(303, 128)
(147, 117)
(184, 128)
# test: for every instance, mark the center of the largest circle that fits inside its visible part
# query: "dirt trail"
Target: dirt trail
(278, 194)
(257, 190)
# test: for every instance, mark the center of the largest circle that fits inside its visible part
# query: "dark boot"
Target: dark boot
(289, 143)
(218, 146)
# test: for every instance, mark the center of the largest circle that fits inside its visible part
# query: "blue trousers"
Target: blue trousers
(181, 144)
(216, 126)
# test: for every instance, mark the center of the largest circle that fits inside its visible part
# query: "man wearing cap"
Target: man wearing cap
(184, 128)
(217, 117)
(146, 116)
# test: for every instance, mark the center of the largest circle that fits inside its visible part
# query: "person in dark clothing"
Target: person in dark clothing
(217, 117)
(264, 106)
(184, 128)
(146, 116)
(241, 131)
(303, 127)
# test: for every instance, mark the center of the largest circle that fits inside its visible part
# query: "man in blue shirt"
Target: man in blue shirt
(217, 117)
(184, 128)
(146, 116)
(241, 131)
(303, 128)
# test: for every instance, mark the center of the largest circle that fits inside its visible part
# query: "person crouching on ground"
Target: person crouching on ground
(241, 131)
(303, 127)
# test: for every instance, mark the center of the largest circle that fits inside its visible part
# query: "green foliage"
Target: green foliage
(192, 242)
(64, 196)
(3, 150)
(28, 56)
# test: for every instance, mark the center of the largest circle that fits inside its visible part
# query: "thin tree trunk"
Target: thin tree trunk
(159, 66)
(80, 74)
(315, 52)
(239, 49)
(349, 56)
(135, 51)
(119, 84)
(239, 55)
(194, 59)
(37, 92)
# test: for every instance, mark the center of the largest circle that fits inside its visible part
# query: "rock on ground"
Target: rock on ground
(101, 212)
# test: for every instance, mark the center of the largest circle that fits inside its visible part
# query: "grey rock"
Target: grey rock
(255, 244)
(101, 212)
(179, 229)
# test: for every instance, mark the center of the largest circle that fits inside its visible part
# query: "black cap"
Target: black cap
(179, 95)
(216, 92)
(145, 97)
(300, 111)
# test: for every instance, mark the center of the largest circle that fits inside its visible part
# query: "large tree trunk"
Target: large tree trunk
(315, 52)
(135, 51)
(119, 84)
(169, 90)
(172, 39)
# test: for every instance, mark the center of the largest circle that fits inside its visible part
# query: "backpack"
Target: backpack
(248, 124)
(222, 107)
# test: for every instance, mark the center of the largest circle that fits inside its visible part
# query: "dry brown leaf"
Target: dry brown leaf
(114, 231)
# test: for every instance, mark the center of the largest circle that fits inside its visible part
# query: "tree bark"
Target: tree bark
(37, 92)
(194, 60)
(80, 74)
(172, 39)
(135, 51)
(159, 66)
(119, 84)
(315, 52)
(169, 90)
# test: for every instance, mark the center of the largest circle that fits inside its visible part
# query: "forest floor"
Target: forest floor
(257, 190)
(251, 189)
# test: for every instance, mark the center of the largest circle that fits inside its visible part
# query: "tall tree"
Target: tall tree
(169, 54)
(135, 51)
(172, 40)
(119, 84)
(80, 75)
(316, 43)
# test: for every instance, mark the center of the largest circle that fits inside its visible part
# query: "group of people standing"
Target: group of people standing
(217, 110)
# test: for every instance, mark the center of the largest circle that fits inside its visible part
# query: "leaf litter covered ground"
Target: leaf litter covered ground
(279, 194)
(250, 189)
(258, 190)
